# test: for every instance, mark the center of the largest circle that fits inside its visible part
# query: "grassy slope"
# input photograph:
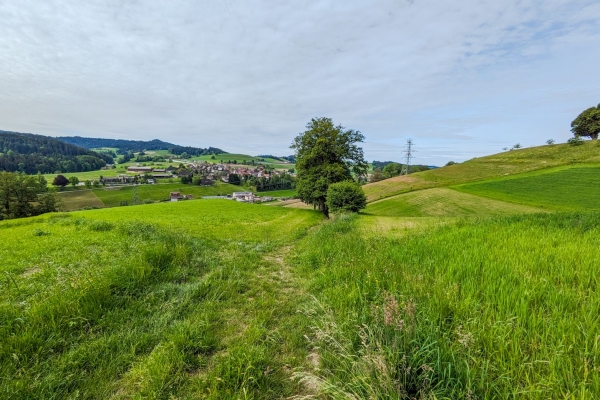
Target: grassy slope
(443, 202)
(496, 308)
(279, 193)
(154, 301)
(563, 188)
(113, 196)
(497, 165)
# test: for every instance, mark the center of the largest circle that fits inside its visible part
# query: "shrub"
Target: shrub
(575, 140)
(345, 196)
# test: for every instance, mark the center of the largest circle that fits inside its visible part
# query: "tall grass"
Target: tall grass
(500, 308)
(127, 308)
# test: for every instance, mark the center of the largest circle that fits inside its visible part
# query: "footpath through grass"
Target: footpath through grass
(507, 307)
(567, 189)
(158, 301)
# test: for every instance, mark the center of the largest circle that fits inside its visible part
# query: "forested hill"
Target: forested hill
(29, 153)
(125, 146)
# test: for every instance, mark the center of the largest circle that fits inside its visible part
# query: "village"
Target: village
(207, 173)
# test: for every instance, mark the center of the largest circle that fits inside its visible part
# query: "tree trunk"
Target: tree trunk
(594, 136)
(323, 208)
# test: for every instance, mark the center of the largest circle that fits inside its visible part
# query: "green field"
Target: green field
(159, 192)
(507, 307)
(279, 193)
(443, 202)
(566, 188)
(494, 166)
(448, 290)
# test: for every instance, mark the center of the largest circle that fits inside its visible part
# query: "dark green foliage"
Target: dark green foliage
(376, 176)
(346, 196)
(234, 179)
(19, 196)
(587, 123)
(326, 154)
(126, 146)
(60, 180)
(392, 169)
(275, 182)
(575, 140)
(25, 152)
(449, 163)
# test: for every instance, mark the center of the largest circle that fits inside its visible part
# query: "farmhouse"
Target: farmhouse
(139, 169)
(247, 197)
(160, 176)
(176, 196)
(120, 179)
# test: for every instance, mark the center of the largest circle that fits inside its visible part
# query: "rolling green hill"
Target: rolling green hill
(497, 165)
(571, 188)
(115, 196)
(29, 153)
(462, 282)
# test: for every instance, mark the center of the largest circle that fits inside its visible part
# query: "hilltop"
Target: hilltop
(497, 165)
(124, 146)
(29, 153)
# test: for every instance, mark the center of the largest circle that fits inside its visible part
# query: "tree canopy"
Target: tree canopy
(25, 152)
(346, 196)
(326, 154)
(587, 123)
(24, 195)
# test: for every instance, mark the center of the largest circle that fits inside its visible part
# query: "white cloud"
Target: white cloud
(247, 76)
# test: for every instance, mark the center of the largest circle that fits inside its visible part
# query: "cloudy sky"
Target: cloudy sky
(462, 78)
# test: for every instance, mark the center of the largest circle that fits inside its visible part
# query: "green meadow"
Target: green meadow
(474, 282)
(107, 196)
(566, 188)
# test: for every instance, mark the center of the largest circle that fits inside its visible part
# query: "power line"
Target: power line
(408, 156)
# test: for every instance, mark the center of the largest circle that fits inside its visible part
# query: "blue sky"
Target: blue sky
(463, 79)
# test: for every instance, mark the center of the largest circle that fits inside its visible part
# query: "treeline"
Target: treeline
(388, 169)
(135, 146)
(24, 195)
(275, 182)
(291, 159)
(29, 153)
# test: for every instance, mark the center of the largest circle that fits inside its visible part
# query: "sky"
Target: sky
(463, 79)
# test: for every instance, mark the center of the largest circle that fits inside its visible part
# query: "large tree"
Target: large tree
(587, 123)
(19, 196)
(326, 154)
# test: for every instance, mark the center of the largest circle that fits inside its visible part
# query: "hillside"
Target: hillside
(485, 289)
(136, 146)
(497, 165)
(29, 153)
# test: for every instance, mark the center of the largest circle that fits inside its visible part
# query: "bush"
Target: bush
(449, 163)
(346, 196)
(575, 140)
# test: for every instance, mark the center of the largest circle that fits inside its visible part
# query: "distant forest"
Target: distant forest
(29, 153)
(125, 146)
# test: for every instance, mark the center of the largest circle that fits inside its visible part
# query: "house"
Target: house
(159, 170)
(206, 182)
(139, 169)
(184, 172)
(120, 179)
(161, 176)
(247, 197)
(176, 196)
